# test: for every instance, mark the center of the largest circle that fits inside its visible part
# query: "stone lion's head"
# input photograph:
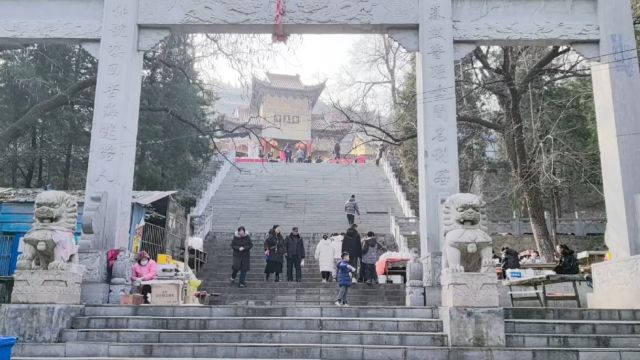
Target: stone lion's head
(464, 210)
(55, 210)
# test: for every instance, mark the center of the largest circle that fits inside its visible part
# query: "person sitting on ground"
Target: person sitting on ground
(509, 260)
(144, 269)
(241, 245)
(344, 271)
(371, 251)
(324, 255)
(568, 262)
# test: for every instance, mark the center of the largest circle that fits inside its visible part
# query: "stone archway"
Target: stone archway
(118, 31)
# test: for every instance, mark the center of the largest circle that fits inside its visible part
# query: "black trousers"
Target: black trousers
(369, 271)
(351, 218)
(355, 262)
(291, 263)
(326, 275)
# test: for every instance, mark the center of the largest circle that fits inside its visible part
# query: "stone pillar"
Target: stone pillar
(115, 123)
(415, 282)
(437, 130)
(616, 83)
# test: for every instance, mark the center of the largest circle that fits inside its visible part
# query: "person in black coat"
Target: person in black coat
(295, 254)
(241, 245)
(510, 260)
(274, 249)
(568, 262)
(352, 243)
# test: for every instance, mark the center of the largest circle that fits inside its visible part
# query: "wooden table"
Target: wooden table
(541, 294)
(539, 266)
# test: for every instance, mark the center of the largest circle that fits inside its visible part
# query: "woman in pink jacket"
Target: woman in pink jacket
(144, 269)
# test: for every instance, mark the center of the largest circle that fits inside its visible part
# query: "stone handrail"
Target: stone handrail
(405, 205)
(398, 234)
(575, 226)
(203, 221)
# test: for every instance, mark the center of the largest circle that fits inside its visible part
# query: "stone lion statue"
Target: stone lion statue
(50, 244)
(467, 246)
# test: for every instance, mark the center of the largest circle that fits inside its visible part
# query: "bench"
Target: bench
(539, 285)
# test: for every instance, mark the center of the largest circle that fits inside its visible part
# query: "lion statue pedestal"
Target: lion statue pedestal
(48, 270)
(470, 299)
(469, 277)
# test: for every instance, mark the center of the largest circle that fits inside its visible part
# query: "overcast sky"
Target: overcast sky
(314, 57)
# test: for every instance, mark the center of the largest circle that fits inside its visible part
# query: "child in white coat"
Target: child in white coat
(324, 254)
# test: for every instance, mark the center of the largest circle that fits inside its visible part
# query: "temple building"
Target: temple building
(282, 110)
(283, 106)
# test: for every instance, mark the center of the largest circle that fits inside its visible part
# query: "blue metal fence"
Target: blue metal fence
(8, 252)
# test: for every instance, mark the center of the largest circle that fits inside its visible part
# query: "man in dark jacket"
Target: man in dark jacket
(510, 260)
(241, 245)
(352, 244)
(295, 254)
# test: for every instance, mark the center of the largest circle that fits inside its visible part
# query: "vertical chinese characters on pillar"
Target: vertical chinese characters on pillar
(109, 127)
(438, 91)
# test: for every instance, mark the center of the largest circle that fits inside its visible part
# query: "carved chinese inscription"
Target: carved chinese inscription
(439, 92)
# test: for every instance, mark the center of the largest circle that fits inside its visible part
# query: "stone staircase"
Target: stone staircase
(581, 329)
(310, 196)
(230, 332)
(310, 292)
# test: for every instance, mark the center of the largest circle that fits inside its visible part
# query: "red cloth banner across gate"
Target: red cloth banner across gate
(278, 34)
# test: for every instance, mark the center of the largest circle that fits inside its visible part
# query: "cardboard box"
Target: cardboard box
(133, 299)
(166, 294)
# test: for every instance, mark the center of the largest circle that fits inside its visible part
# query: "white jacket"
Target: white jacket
(337, 246)
(324, 254)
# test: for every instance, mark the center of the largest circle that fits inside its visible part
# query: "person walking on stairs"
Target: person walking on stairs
(344, 271)
(295, 254)
(371, 251)
(352, 245)
(288, 153)
(241, 245)
(274, 249)
(351, 209)
(324, 254)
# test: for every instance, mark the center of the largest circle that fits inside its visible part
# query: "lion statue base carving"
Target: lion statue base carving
(467, 246)
(50, 244)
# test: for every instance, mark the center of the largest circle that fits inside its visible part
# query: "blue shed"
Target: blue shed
(16, 218)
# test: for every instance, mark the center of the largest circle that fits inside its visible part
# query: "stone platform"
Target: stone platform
(46, 287)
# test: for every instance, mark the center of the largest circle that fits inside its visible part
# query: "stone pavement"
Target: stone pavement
(310, 196)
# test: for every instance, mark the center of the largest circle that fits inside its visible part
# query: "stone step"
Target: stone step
(269, 302)
(306, 283)
(570, 314)
(265, 289)
(572, 341)
(97, 350)
(601, 327)
(259, 323)
(376, 312)
(299, 336)
(323, 296)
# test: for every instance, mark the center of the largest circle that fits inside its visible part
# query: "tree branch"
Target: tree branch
(37, 111)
